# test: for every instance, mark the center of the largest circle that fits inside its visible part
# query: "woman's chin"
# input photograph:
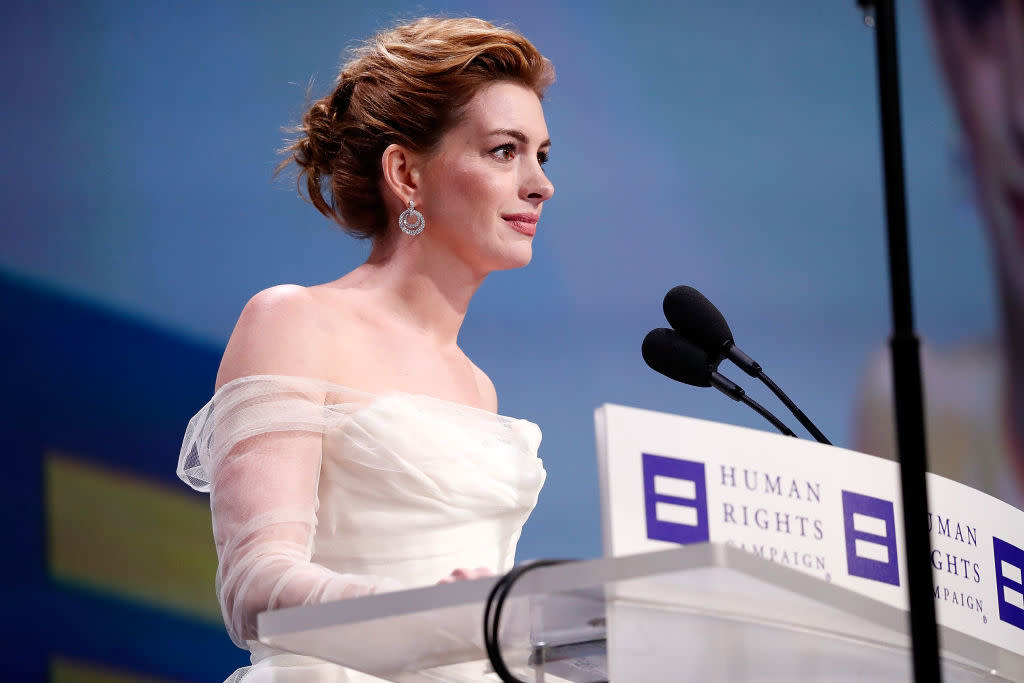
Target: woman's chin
(522, 257)
(517, 256)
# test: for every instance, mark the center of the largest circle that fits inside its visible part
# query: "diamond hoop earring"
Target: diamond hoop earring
(411, 221)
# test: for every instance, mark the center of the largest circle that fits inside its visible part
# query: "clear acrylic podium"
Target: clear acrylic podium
(706, 612)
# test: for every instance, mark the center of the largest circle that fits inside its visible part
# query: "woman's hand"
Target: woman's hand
(466, 574)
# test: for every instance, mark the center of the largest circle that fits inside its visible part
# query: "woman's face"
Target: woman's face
(981, 43)
(482, 190)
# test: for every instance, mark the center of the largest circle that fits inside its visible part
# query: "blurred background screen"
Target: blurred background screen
(731, 146)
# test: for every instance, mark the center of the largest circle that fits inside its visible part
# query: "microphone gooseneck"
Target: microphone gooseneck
(670, 354)
(799, 414)
(694, 317)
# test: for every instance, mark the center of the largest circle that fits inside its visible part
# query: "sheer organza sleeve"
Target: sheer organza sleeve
(256, 447)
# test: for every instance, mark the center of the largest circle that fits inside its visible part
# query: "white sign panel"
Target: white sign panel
(832, 513)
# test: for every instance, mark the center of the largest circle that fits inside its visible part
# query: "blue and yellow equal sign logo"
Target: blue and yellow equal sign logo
(114, 533)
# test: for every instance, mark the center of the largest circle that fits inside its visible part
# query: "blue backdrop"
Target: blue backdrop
(731, 146)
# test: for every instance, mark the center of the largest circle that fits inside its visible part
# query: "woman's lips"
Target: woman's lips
(525, 223)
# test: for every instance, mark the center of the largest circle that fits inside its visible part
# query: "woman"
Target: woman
(351, 446)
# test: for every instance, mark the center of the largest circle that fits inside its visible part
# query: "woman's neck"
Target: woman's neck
(423, 286)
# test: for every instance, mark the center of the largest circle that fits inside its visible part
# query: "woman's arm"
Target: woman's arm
(265, 463)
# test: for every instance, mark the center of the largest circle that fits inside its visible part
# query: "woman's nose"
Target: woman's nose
(539, 186)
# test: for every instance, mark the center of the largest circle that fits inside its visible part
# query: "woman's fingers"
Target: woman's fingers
(463, 574)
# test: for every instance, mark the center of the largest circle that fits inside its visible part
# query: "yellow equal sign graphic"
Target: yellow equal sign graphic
(124, 535)
(64, 670)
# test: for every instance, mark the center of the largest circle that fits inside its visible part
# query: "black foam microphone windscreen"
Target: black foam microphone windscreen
(691, 314)
(668, 353)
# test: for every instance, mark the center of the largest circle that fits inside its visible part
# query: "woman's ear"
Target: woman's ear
(400, 170)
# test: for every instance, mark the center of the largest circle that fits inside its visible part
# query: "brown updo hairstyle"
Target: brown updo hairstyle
(409, 86)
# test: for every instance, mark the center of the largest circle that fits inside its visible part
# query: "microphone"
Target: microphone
(669, 354)
(698, 320)
(691, 314)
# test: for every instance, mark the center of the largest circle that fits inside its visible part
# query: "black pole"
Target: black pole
(906, 364)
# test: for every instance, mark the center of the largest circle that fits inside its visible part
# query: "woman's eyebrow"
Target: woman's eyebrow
(518, 135)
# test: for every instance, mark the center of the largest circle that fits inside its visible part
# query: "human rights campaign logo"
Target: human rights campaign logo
(1009, 585)
(870, 529)
(675, 500)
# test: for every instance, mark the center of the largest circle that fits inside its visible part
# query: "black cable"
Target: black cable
(799, 414)
(736, 393)
(760, 410)
(492, 614)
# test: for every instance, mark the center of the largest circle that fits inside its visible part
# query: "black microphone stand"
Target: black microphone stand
(906, 364)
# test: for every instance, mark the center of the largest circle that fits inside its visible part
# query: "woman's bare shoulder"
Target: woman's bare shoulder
(488, 394)
(277, 333)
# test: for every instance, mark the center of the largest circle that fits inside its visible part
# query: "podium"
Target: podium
(731, 555)
(706, 612)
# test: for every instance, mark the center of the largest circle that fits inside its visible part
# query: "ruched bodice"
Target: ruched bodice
(412, 487)
(319, 492)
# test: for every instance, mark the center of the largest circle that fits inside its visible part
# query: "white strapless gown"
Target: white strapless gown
(405, 489)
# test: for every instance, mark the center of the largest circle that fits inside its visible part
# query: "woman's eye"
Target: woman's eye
(505, 152)
(542, 157)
